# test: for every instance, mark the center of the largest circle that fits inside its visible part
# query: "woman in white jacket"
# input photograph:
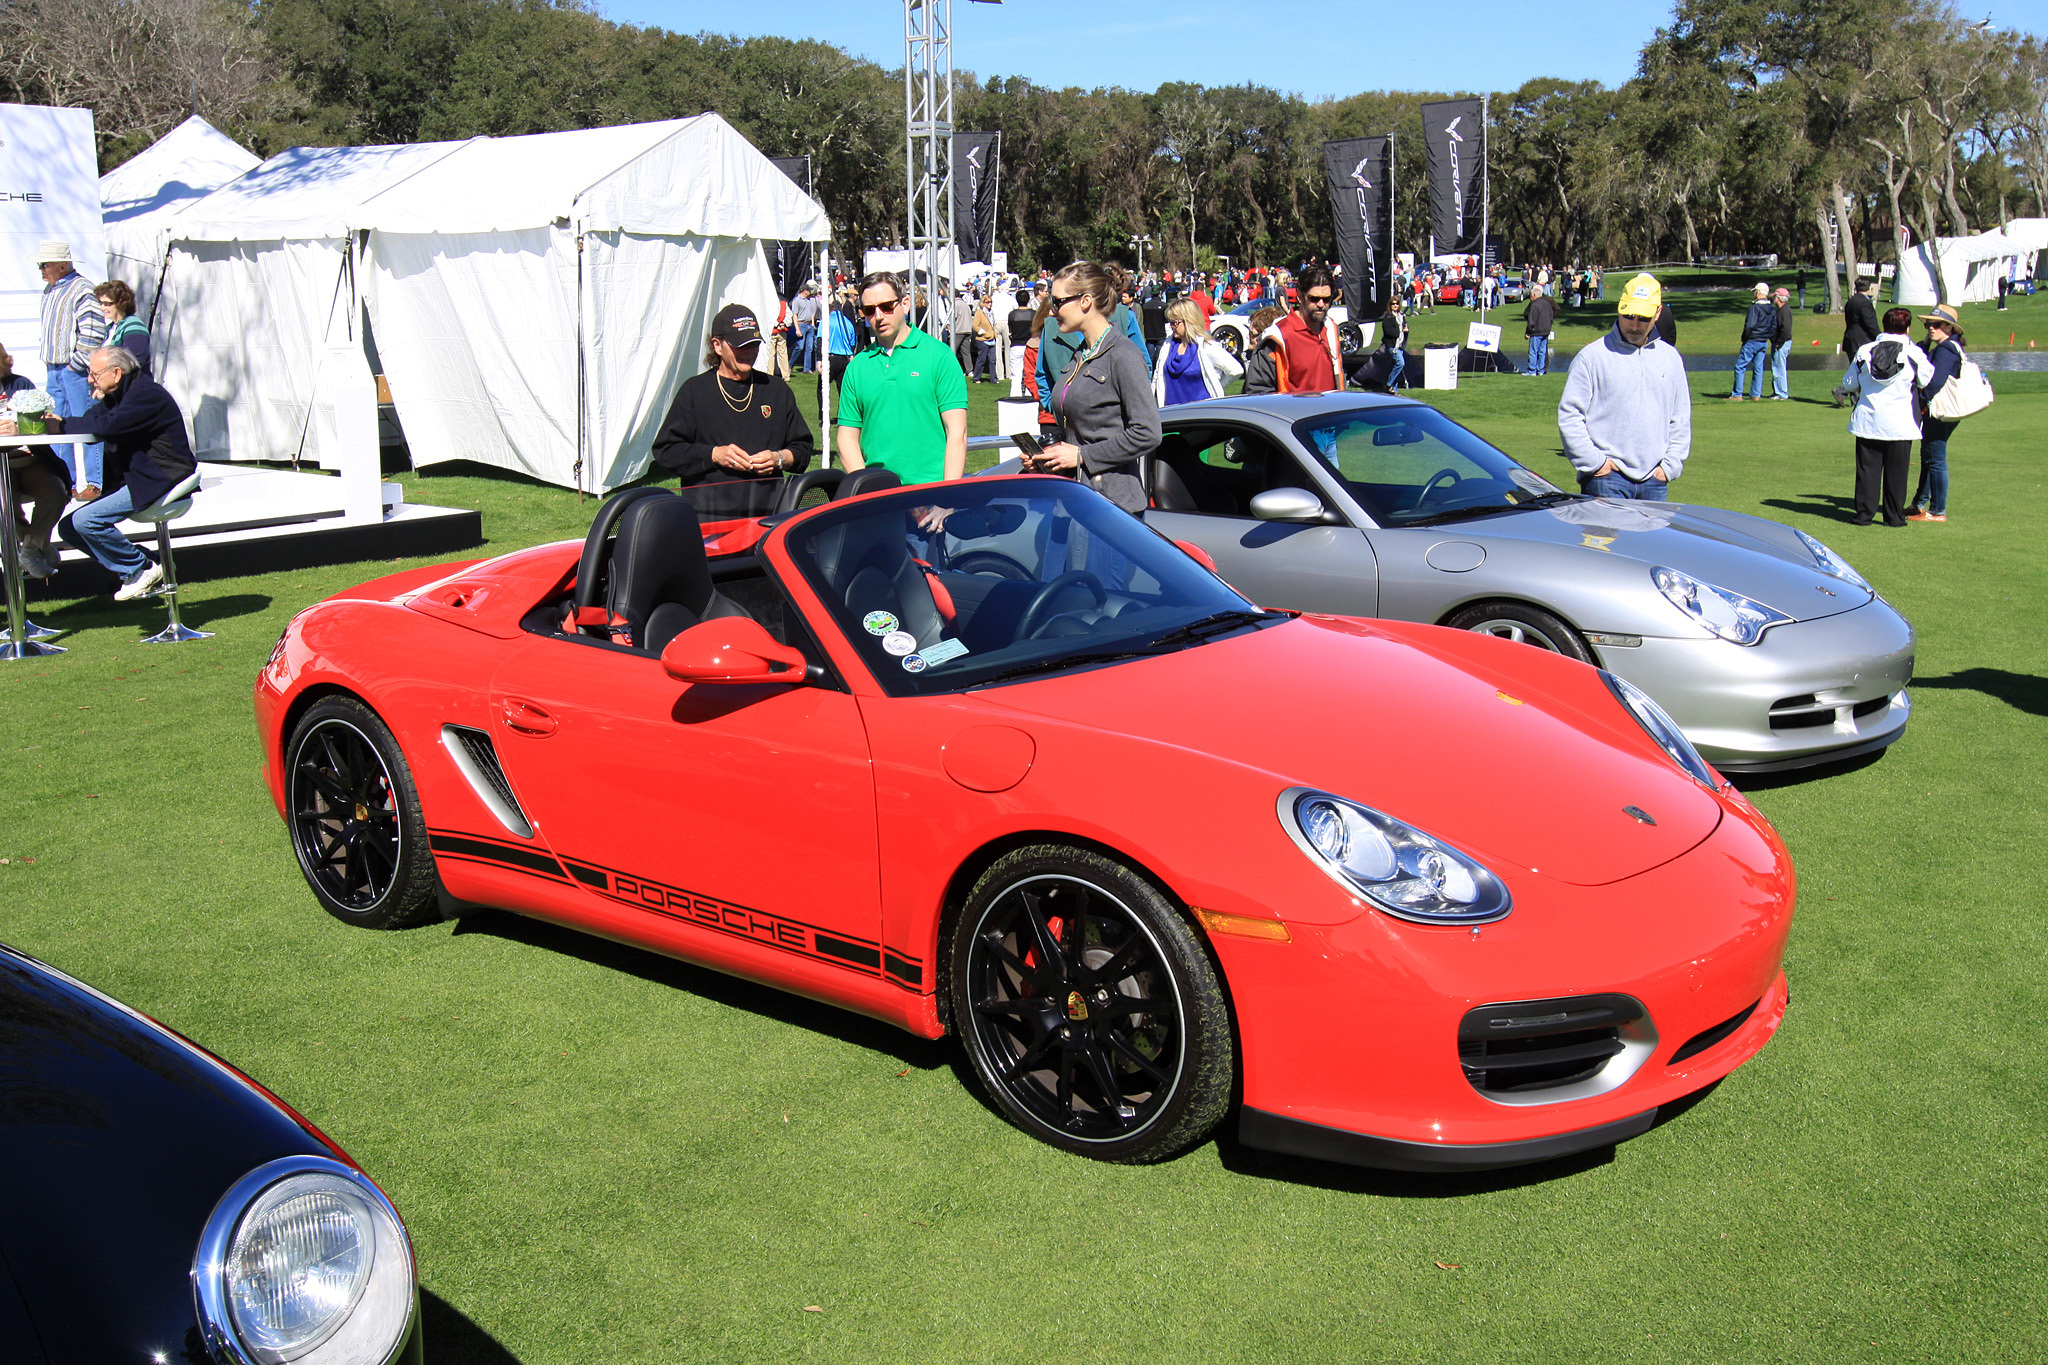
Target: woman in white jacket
(1884, 376)
(1191, 365)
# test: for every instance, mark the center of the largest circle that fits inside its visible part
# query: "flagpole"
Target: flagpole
(1485, 193)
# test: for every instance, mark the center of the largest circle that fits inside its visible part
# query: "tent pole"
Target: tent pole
(823, 348)
(581, 405)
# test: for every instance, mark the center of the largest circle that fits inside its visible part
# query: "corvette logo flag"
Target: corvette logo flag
(791, 261)
(1360, 172)
(1454, 136)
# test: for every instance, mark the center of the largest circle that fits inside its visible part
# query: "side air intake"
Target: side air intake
(477, 761)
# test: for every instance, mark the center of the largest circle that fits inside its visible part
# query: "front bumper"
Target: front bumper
(1789, 700)
(1278, 1133)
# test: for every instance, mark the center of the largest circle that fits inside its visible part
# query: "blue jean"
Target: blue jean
(1781, 387)
(95, 529)
(1539, 355)
(1754, 356)
(1400, 364)
(1620, 485)
(72, 396)
(1932, 493)
(806, 346)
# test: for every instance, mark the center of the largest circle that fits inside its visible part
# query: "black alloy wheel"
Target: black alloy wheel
(1524, 625)
(1089, 1008)
(356, 823)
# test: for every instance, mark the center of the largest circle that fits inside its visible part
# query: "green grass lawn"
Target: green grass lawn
(607, 1156)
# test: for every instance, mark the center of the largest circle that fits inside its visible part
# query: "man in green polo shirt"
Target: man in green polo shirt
(903, 404)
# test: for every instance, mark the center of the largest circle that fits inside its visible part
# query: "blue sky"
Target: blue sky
(1228, 42)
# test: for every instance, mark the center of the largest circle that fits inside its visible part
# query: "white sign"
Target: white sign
(1483, 336)
(49, 188)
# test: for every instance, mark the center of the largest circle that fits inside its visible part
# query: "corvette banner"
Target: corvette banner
(1360, 172)
(1454, 136)
(974, 194)
(791, 261)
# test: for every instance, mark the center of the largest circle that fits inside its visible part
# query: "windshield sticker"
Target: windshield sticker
(899, 642)
(942, 651)
(878, 623)
(914, 664)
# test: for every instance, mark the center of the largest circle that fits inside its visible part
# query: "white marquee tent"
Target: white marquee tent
(140, 197)
(1966, 269)
(534, 301)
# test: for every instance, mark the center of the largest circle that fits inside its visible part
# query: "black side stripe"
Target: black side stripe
(902, 968)
(524, 859)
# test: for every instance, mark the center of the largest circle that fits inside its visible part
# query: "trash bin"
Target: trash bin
(1015, 415)
(1440, 366)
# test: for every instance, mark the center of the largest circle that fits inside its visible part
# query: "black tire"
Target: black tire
(355, 818)
(1524, 624)
(1122, 1051)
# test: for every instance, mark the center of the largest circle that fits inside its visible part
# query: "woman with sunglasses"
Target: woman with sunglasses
(1945, 352)
(1104, 400)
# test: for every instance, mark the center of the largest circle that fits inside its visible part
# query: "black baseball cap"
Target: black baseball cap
(736, 326)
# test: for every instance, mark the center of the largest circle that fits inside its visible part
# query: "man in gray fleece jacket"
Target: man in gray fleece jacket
(1626, 415)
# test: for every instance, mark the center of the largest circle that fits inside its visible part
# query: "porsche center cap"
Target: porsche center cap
(1077, 1008)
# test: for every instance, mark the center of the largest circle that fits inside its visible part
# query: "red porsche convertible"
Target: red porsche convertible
(990, 757)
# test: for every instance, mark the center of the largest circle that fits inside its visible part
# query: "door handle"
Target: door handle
(523, 717)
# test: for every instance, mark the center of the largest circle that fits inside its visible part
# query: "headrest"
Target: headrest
(872, 479)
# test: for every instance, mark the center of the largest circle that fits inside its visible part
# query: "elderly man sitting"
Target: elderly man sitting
(146, 456)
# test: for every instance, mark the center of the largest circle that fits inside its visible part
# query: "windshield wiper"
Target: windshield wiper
(1036, 666)
(1494, 508)
(1208, 627)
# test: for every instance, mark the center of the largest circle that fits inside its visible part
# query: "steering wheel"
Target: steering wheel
(1040, 612)
(1429, 487)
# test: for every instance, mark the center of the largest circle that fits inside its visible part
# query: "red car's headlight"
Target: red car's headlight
(1401, 870)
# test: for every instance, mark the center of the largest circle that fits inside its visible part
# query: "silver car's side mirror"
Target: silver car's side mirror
(1289, 504)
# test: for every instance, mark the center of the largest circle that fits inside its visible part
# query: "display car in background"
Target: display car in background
(1764, 645)
(161, 1206)
(991, 757)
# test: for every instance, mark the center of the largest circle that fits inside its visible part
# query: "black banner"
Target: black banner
(974, 194)
(1454, 135)
(1360, 172)
(791, 261)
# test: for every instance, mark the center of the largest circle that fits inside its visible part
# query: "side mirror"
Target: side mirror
(732, 649)
(1289, 504)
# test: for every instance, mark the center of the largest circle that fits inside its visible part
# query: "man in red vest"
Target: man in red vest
(1308, 339)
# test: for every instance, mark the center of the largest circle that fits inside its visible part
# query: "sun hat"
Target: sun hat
(736, 326)
(53, 251)
(1641, 297)
(1946, 315)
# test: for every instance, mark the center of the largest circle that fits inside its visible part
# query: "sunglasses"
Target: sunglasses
(1059, 303)
(1322, 298)
(869, 309)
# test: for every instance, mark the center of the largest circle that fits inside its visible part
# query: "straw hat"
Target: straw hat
(1944, 315)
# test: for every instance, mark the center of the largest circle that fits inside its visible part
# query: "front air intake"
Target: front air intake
(1545, 1051)
(477, 760)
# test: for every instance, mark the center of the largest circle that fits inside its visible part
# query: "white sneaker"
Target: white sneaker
(146, 578)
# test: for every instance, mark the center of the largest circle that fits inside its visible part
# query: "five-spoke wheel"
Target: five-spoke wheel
(1089, 1008)
(355, 818)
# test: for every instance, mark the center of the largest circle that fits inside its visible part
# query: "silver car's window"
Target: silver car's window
(1218, 470)
(1410, 463)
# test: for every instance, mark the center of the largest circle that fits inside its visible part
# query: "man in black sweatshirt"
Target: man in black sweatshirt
(733, 422)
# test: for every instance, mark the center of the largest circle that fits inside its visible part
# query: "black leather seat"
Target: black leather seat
(867, 563)
(660, 581)
(870, 479)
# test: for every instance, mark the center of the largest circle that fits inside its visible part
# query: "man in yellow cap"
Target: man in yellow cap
(1626, 415)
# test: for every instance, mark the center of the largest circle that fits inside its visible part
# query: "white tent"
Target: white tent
(139, 197)
(1967, 269)
(534, 301)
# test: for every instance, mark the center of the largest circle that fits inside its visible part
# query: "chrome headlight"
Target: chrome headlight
(1409, 874)
(304, 1262)
(1662, 728)
(1832, 563)
(1727, 614)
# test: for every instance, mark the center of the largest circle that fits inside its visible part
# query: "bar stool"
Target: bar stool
(175, 503)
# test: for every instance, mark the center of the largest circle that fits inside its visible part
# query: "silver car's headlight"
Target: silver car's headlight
(304, 1262)
(1830, 562)
(1403, 871)
(1727, 614)
(1662, 728)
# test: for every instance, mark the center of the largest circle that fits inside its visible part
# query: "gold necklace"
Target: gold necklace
(746, 395)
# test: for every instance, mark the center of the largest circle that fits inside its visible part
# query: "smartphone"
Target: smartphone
(1028, 444)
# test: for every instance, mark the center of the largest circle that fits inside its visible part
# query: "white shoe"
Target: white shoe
(146, 578)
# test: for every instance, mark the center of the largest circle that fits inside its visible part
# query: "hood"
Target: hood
(1760, 559)
(118, 1137)
(1521, 758)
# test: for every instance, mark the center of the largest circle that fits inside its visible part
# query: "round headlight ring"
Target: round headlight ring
(1389, 864)
(303, 1261)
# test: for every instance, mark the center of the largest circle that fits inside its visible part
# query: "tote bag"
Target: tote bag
(1968, 392)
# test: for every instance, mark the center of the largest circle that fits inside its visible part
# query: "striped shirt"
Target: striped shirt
(74, 326)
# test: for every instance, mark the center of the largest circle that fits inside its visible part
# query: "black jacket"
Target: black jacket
(145, 436)
(1859, 323)
(1784, 332)
(1761, 322)
(1538, 317)
(1667, 326)
(703, 418)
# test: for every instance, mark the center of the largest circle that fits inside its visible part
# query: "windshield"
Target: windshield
(1410, 464)
(1024, 576)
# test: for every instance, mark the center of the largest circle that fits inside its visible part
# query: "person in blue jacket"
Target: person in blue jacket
(146, 456)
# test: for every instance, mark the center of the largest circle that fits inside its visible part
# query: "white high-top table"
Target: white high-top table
(25, 639)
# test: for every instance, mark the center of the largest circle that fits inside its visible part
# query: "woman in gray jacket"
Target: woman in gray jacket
(1104, 401)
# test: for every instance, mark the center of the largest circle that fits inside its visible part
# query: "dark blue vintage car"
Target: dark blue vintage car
(161, 1206)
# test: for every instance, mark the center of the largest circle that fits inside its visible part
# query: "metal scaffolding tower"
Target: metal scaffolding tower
(928, 154)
